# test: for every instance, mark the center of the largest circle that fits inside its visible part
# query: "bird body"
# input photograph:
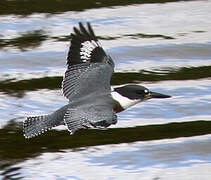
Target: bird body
(86, 85)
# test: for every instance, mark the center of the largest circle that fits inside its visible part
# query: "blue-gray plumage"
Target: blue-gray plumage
(86, 85)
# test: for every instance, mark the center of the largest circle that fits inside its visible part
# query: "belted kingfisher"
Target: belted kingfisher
(86, 84)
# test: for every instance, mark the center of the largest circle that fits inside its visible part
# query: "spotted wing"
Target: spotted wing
(85, 47)
(100, 116)
(89, 69)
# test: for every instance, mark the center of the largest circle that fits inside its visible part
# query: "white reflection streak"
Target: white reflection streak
(140, 64)
(125, 17)
(175, 158)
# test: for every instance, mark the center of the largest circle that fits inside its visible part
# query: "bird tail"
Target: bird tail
(34, 126)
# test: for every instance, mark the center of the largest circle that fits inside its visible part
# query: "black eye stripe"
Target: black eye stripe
(133, 91)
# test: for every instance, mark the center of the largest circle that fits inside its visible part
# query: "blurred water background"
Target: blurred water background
(164, 45)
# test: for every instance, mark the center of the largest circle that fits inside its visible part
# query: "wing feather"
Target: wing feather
(89, 117)
(91, 32)
(89, 68)
(72, 122)
(92, 78)
(85, 47)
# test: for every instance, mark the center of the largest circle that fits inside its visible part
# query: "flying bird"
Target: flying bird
(86, 84)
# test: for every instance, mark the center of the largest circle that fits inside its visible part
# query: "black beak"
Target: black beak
(159, 95)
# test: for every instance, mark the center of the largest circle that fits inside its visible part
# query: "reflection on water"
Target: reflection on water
(191, 101)
(167, 52)
(180, 158)
(123, 20)
(14, 86)
(22, 7)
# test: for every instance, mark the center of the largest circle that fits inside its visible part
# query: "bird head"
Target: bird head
(130, 95)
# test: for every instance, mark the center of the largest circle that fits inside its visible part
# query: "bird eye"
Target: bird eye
(146, 91)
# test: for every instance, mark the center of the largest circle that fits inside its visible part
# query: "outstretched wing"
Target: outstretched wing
(89, 68)
(89, 117)
(85, 47)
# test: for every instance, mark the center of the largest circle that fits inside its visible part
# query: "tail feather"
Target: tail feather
(34, 126)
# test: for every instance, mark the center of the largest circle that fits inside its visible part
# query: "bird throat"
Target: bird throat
(121, 102)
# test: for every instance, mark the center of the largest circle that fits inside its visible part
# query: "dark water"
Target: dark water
(163, 45)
